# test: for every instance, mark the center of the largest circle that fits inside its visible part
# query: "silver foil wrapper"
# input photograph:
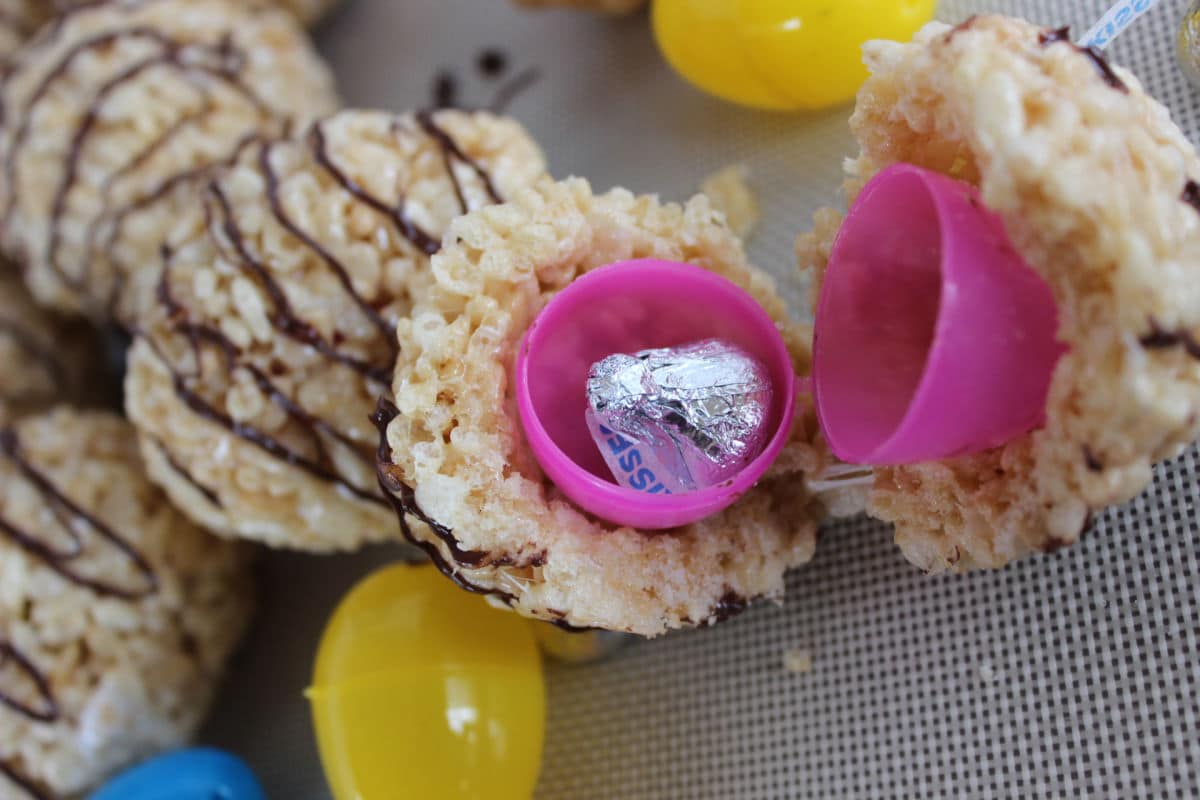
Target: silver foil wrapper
(679, 419)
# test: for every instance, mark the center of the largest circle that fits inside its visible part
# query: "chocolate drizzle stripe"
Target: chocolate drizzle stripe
(71, 170)
(451, 152)
(407, 227)
(1160, 338)
(284, 318)
(253, 435)
(48, 711)
(179, 470)
(1054, 36)
(39, 353)
(21, 782)
(1093, 54)
(513, 89)
(67, 512)
(403, 500)
(381, 373)
(1191, 194)
(156, 144)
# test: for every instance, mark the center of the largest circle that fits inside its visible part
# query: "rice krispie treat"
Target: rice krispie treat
(44, 360)
(274, 333)
(116, 614)
(1098, 189)
(606, 6)
(112, 114)
(466, 484)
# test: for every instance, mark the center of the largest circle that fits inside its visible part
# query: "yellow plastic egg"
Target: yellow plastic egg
(780, 54)
(424, 691)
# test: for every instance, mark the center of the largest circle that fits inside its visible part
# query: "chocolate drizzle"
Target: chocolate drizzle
(491, 65)
(514, 89)
(21, 782)
(1054, 36)
(179, 470)
(451, 154)
(407, 227)
(491, 62)
(404, 501)
(730, 605)
(44, 708)
(1094, 54)
(445, 90)
(1161, 339)
(71, 518)
(1191, 194)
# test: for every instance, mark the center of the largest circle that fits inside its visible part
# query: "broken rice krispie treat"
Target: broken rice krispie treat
(116, 615)
(112, 115)
(253, 379)
(1098, 190)
(466, 484)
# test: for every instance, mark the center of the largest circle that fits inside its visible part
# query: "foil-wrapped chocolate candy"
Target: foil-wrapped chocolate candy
(679, 419)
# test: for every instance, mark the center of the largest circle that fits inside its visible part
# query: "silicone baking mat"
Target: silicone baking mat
(1075, 674)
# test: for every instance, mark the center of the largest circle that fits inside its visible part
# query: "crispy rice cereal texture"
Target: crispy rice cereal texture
(501, 527)
(112, 113)
(44, 360)
(314, 249)
(606, 6)
(1095, 184)
(111, 654)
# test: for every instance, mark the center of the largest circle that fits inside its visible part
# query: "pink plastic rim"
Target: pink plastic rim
(933, 337)
(626, 307)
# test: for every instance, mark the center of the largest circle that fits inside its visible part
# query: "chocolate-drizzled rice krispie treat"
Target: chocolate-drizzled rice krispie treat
(113, 112)
(1098, 190)
(464, 480)
(117, 615)
(273, 334)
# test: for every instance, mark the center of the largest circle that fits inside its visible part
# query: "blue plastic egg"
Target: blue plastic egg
(196, 774)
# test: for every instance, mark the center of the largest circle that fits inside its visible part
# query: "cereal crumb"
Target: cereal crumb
(798, 662)
(730, 194)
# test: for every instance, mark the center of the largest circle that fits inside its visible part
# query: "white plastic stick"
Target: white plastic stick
(1115, 22)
